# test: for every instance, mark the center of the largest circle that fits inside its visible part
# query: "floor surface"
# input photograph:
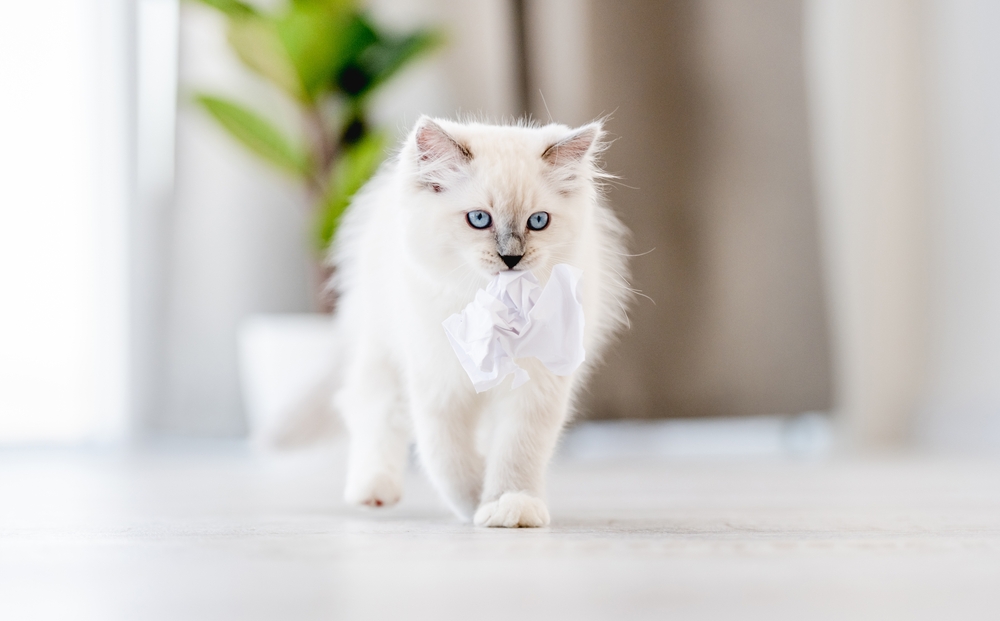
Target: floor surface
(217, 532)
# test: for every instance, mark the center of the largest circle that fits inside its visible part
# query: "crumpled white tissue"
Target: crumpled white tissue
(515, 317)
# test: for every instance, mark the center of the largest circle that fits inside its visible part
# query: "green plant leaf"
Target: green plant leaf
(256, 133)
(370, 58)
(349, 76)
(232, 8)
(344, 6)
(387, 59)
(259, 45)
(311, 34)
(354, 168)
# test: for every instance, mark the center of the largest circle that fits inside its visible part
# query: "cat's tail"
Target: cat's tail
(290, 372)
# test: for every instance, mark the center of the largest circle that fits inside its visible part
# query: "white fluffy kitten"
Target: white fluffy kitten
(409, 254)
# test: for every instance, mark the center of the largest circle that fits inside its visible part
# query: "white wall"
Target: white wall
(235, 240)
(64, 186)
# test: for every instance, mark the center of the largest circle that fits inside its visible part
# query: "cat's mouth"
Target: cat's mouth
(521, 267)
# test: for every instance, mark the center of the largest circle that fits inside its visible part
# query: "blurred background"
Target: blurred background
(812, 187)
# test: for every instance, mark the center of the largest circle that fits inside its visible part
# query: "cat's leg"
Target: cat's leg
(371, 404)
(525, 428)
(444, 422)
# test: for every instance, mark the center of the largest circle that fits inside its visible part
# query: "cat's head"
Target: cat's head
(487, 198)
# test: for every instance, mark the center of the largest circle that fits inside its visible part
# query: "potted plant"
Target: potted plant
(329, 57)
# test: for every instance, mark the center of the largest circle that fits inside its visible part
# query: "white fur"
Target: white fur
(406, 259)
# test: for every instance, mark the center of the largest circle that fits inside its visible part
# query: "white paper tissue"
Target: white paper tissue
(515, 317)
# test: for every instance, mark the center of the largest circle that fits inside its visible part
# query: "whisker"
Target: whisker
(628, 322)
(641, 254)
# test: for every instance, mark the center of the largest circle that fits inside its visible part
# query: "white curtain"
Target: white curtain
(906, 116)
(961, 406)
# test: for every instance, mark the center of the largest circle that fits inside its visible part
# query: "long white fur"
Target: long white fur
(406, 259)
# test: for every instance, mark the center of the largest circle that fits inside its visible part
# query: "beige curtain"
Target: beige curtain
(708, 108)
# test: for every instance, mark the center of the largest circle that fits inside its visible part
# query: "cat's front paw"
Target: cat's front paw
(513, 510)
(380, 490)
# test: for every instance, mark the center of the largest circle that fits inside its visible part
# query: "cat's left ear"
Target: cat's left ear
(576, 147)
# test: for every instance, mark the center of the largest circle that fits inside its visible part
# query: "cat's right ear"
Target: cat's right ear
(440, 157)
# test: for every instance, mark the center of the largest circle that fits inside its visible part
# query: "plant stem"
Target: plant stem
(324, 148)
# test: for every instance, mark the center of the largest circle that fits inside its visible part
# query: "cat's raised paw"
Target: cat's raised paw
(381, 490)
(513, 510)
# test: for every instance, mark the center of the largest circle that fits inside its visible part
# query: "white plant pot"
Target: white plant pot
(286, 372)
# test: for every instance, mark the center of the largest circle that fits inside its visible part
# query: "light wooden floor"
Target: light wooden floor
(214, 532)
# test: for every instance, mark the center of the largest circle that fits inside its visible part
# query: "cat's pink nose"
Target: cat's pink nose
(511, 259)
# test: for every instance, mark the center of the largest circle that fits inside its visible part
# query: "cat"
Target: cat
(457, 204)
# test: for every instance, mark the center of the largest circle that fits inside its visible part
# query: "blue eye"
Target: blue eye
(538, 221)
(478, 219)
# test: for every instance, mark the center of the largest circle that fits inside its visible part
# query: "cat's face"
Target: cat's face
(493, 198)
